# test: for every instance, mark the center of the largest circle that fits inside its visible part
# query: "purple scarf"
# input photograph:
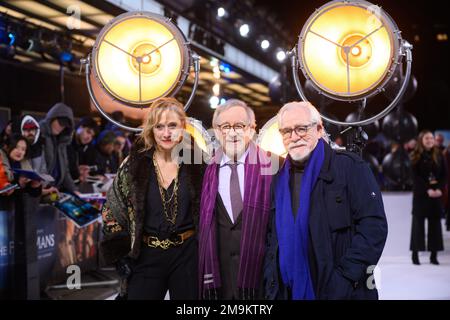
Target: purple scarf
(255, 216)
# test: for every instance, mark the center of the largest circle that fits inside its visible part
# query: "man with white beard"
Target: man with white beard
(328, 227)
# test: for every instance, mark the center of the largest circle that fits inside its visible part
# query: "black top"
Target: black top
(79, 154)
(295, 181)
(428, 174)
(156, 223)
(35, 150)
(425, 170)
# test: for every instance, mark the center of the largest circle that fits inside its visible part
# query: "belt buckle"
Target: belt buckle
(154, 242)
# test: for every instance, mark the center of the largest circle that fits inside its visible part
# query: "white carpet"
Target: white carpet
(399, 278)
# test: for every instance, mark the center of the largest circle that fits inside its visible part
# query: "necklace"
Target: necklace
(168, 204)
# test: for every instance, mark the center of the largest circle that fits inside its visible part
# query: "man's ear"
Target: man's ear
(217, 132)
(320, 129)
(252, 132)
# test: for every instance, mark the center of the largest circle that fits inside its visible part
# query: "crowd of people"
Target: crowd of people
(71, 154)
(67, 158)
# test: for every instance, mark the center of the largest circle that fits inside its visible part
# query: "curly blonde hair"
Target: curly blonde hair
(157, 108)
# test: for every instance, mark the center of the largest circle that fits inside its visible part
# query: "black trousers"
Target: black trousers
(434, 241)
(157, 270)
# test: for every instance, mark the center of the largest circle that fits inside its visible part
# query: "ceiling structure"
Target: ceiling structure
(56, 16)
(419, 23)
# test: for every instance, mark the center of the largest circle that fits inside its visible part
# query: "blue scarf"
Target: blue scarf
(293, 233)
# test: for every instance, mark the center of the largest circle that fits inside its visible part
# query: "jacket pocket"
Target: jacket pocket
(339, 288)
(339, 220)
(338, 210)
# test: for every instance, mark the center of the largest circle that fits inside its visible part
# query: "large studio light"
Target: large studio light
(109, 105)
(349, 50)
(137, 58)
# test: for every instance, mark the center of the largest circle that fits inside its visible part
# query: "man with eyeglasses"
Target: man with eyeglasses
(234, 208)
(327, 227)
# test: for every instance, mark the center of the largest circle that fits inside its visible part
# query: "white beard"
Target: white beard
(300, 157)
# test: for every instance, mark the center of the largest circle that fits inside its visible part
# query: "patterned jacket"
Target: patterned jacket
(124, 211)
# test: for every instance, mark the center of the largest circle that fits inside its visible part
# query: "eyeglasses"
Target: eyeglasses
(237, 127)
(300, 131)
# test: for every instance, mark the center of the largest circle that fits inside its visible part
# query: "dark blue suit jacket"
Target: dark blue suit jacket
(347, 232)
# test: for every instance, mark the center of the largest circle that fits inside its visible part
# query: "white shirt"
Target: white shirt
(224, 180)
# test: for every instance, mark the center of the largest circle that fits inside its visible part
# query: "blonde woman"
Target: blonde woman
(151, 212)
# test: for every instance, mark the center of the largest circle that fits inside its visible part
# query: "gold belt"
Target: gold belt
(176, 240)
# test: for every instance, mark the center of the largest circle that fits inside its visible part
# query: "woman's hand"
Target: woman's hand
(84, 172)
(434, 193)
(8, 193)
(438, 193)
(23, 181)
(35, 184)
(49, 190)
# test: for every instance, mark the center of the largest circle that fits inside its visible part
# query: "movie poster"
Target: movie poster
(59, 241)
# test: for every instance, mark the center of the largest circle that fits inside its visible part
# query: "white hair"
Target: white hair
(234, 103)
(314, 114)
(325, 135)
